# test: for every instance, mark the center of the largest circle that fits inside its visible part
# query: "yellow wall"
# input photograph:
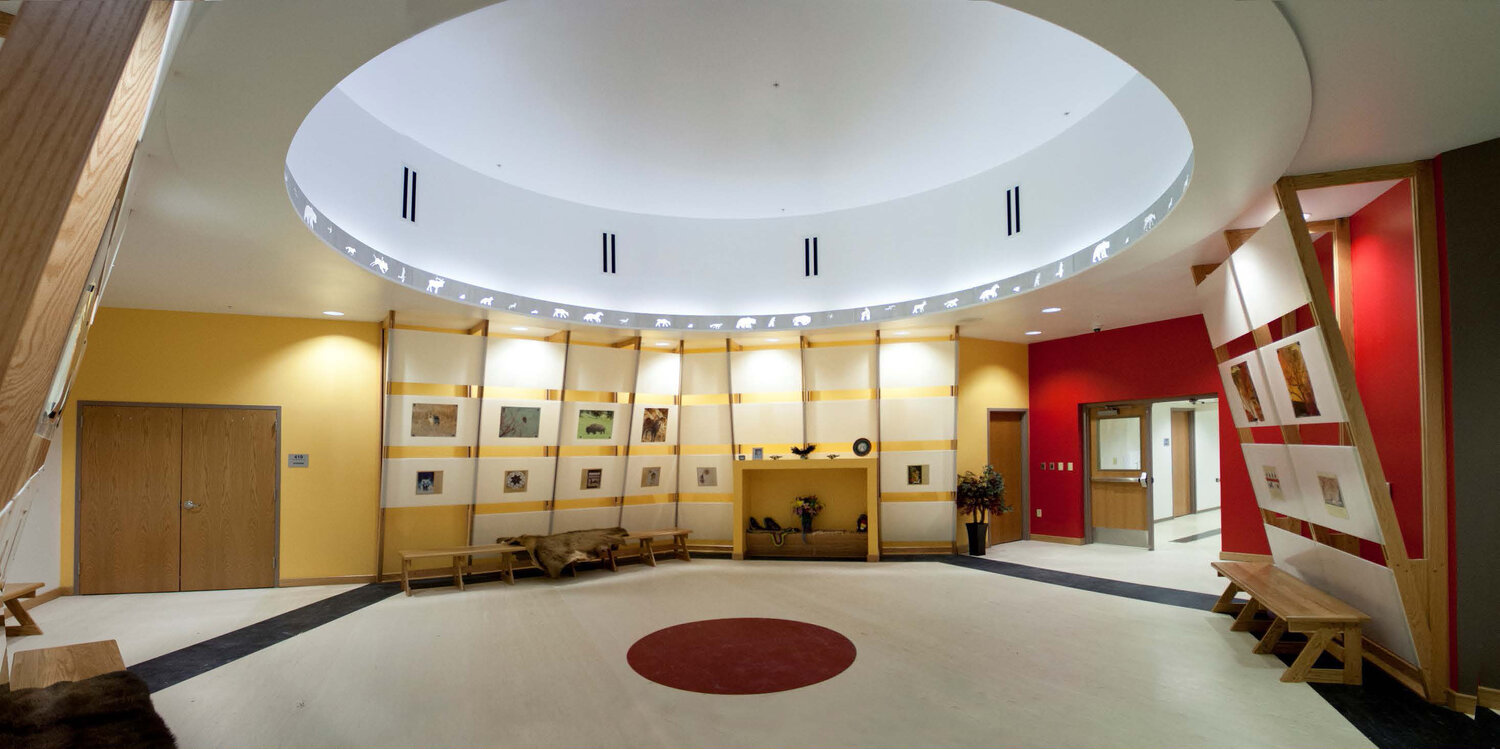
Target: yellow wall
(991, 374)
(325, 375)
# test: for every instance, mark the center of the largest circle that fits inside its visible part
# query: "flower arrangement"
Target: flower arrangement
(806, 507)
(980, 495)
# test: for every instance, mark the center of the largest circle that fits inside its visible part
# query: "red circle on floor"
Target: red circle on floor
(741, 656)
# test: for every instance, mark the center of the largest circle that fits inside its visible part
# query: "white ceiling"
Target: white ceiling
(729, 109)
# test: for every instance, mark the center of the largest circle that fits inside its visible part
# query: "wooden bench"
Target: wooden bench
(460, 556)
(1295, 607)
(679, 538)
(47, 666)
(11, 596)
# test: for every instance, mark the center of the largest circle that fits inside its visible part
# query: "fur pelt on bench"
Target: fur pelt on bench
(553, 553)
(111, 710)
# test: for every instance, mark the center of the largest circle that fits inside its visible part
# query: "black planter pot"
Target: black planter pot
(979, 534)
(806, 524)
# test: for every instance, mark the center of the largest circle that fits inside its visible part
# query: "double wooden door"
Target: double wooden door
(176, 498)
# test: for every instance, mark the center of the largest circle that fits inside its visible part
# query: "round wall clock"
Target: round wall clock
(862, 447)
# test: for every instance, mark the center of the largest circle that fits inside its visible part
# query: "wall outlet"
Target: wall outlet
(1038, 512)
(1070, 466)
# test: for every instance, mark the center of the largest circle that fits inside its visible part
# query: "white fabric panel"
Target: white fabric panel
(1313, 463)
(494, 408)
(1223, 311)
(918, 364)
(1330, 405)
(440, 358)
(903, 419)
(1259, 459)
(916, 521)
(1257, 373)
(1371, 588)
(492, 479)
(398, 420)
(705, 374)
(1269, 273)
(756, 423)
(766, 371)
(840, 367)
(1296, 555)
(487, 528)
(649, 517)
(660, 373)
(519, 363)
(638, 421)
(600, 368)
(842, 422)
(620, 430)
(688, 468)
(940, 471)
(637, 464)
(586, 518)
(704, 425)
(570, 476)
(712, 521)
(401, 482)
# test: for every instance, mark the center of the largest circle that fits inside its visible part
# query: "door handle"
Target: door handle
(1145, 479)
(191, 505)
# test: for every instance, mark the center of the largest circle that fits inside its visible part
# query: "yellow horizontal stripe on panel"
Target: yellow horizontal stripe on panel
(842, 449)
(656, 399)
(589, 451)
(936, 391)
(651, 499)
(788, 396)
(595, 396)
(653, 450)
(428, 329)
(918, 339)
(704, 497)
(916, 496)
(425, 451)
(705, 449)
(830, 344)
(502, 508)
(719, 349)
(426, 388)
(770, 448)
(586, 504)
(554, 338)
(918, 445)
(629, 343)
(706, 399)
(531, 394)
(517, 451)
(764, 346)
(859, 394)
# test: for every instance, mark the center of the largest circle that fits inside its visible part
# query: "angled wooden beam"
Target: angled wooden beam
(1354, 176)
(1236, 237)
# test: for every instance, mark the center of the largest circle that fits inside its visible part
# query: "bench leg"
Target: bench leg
(1226, 604)
(1354, 654)
(507, 568)
(1316, 642)
(647, 552)
(24, 625)
(1246, 616)
(608, 554)
(458, 572)
(680, 542)
(1273, 635)
(406, 575)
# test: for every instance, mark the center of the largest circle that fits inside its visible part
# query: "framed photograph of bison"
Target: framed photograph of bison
(596, 424)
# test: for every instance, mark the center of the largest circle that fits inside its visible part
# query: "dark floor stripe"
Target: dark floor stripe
(1171, 596)
(1197, 536)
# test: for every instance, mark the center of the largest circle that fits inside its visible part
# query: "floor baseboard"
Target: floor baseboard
(293, 582)
(1057, 539)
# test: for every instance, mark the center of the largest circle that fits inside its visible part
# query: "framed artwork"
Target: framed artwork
(654, 425)
(651, 476)
(434, 419)
(429, 482)
(1249, 398)
(1274, 479)
(596, 424)
(916, 475)
(1301, 379)
(1333, 495)
(592, 478)
(1333, 490)
(515, 481)
(708, 476)
(520, 422)
(861, 447)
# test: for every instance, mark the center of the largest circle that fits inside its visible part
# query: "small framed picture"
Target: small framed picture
(708, 476)
(916, 475)
(593, 478)
(758, 453)
(429, 482)
(651, 476)
(515, 481)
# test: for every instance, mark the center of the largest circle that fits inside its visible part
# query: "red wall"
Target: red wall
(1166, 359)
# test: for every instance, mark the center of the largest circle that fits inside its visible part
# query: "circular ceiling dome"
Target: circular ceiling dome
(701, 163)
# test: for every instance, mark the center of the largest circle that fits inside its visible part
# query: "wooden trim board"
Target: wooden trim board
(293, 582)
(1241, 556)
(1057, 539)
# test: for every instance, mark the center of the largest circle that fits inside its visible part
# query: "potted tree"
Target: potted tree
(978, 496)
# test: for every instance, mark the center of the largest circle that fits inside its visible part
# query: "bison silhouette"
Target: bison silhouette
(594, 429)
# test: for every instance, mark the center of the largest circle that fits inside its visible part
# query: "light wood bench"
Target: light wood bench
(11, 596)
(47, 666)
(460, 556)
(646, 539)
(1331, 625)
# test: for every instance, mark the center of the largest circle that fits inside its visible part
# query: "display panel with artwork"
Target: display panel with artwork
(1333, 496)
(1301, 376)
(1248, 398)
(1299, 385)
(1244, 386)
(520, 422)
(651, 476)
(1274, 479)
(592, 478)
(708, 476)
(434, 419)
(1334, 491)
(654, 425)
(916, 474)
(516, 481)
(596, 424)
(429, 482)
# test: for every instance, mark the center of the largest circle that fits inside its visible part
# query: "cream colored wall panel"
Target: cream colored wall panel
(635, 518)
(635, 475)
(906, 419)
(1334, 490)
(917, 521)
(660, 373)
(1223, 311)
(840, 367)
(705, 374)
(723, 478)
(704, 425)
(492, 476)
(570, 476)
(520, 363)
(1371, 588)
(600, 368)
(545, 417)
(441, 358)
(487, 528)
(638, 425)
(707, 520)
(1296, 554)
(774, 370)
(1273, 478)
(1269, 273)
(758, 423)
(399, 425)
(618, 431)
(842, 422)
(939, 473)
(918, 364)
(401, 482)
(585, 519)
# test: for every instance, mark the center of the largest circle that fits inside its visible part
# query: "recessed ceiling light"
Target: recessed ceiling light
(1050, 310)
(662, 343)
(519, 328)
(333, 313)
(901, 332)
(1033, 332)
(773, 340)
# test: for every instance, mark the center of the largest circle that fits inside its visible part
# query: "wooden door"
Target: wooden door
(1183, 484)
(1119, 464)
(228, 498)
(1005, 456)
(130, 462)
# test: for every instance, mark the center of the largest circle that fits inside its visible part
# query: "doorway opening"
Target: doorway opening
(1006, 451)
